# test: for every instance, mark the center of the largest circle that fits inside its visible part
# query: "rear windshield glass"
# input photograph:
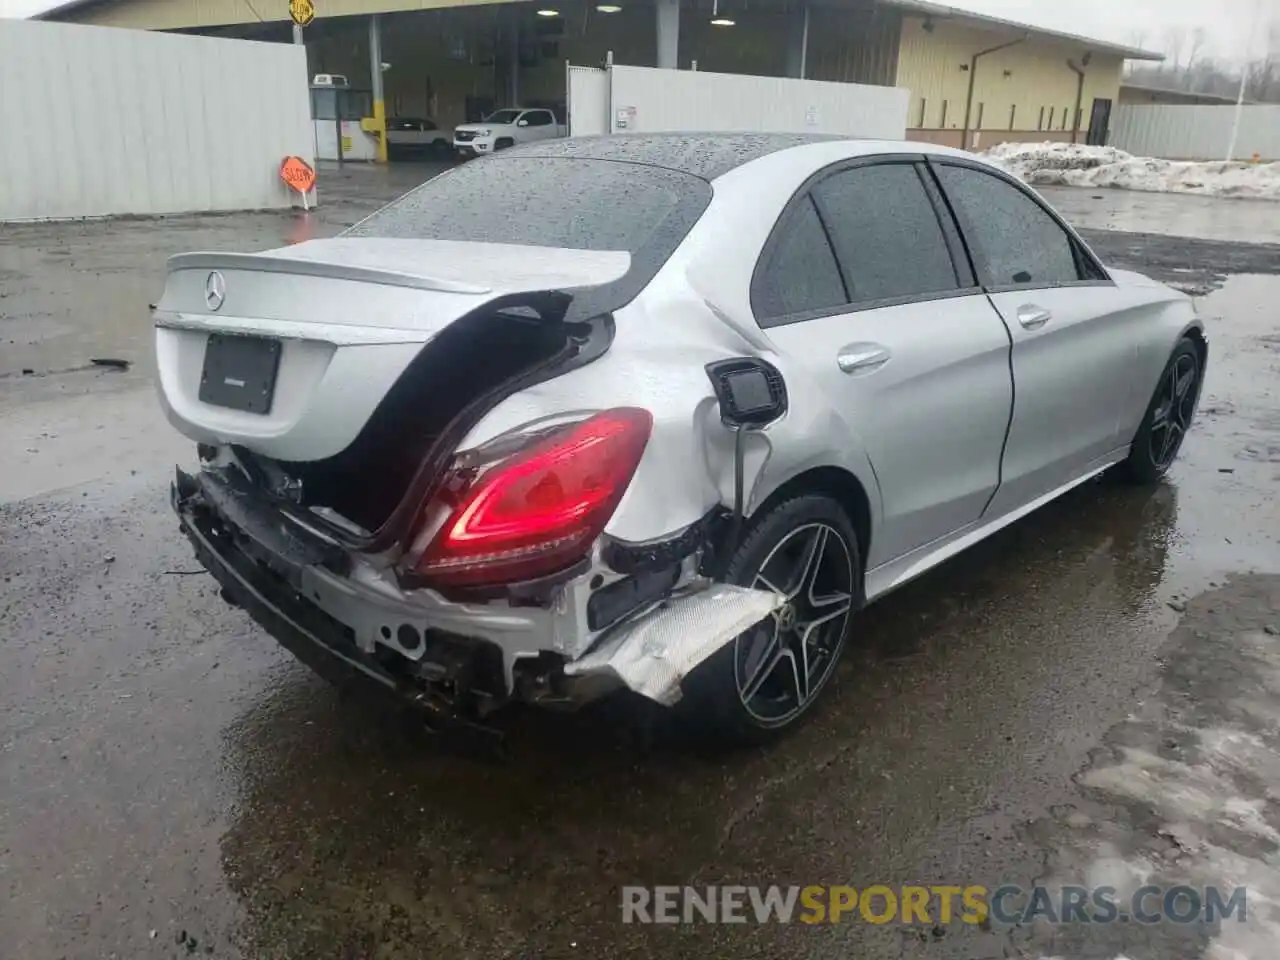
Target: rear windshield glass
(574, 203)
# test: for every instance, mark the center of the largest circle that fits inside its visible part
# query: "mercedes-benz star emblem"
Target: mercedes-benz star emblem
(215, 290)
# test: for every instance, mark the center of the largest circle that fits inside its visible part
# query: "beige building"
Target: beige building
(974, 80)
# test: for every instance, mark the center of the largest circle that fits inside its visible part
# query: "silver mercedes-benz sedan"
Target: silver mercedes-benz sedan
(650, 412)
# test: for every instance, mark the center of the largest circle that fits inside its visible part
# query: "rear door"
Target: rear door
(1073, 339)
(865, 284)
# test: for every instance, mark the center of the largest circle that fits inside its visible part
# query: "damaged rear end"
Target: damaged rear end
(330, 388)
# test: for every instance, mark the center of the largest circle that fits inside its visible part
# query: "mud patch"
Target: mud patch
(1193, 266)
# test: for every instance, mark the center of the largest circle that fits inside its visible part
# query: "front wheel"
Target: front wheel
(766, 679)
(1168, 417)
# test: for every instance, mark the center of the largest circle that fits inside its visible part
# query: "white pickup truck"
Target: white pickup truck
(506, 128)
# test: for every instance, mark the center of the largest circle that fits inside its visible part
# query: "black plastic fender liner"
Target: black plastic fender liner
(633, 558)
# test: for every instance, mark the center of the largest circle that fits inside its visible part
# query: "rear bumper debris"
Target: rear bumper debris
(654, 653)
(457, 660)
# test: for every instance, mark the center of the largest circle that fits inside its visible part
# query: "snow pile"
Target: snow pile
(1074, 165)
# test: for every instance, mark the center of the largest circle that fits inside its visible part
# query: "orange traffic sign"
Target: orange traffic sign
(298, 174)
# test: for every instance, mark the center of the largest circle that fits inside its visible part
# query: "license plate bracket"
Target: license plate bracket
(240, 372)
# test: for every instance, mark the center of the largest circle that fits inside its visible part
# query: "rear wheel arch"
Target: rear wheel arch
(1196, 335)
(837, 483)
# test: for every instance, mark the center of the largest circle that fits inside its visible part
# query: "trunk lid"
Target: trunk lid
(325, 329)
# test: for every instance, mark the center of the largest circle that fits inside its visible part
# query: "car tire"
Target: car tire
(750, 691)
(503, 144)
(1169, 414)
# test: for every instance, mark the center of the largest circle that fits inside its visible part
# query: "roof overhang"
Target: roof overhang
(923, 8)
(944, 12)
(1206, 98)
(62, 8)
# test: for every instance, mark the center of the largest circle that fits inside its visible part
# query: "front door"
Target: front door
(1073, 351)
(1099, 122)
(864, 290)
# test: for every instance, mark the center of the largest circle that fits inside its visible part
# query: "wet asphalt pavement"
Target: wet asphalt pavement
(1091, 696)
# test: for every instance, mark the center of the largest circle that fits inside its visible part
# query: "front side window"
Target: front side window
(538, 118)
(886, 233)
(800, 274)
(1014, 240)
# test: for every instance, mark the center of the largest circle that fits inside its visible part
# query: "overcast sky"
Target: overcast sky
(1123, 21)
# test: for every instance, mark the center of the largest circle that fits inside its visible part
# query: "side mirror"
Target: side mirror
(522, 122)
(751, 392)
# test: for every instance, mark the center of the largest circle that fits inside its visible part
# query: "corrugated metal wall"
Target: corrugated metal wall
(854, 45)
(96, 121)
(663, 100)
(1184, 132)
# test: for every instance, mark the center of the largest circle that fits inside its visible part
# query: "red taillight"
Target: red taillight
(540, 510)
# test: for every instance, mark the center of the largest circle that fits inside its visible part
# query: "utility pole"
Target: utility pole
(1254, 23)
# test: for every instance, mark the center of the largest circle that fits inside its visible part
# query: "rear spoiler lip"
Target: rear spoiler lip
(264, 263)
(341, 335)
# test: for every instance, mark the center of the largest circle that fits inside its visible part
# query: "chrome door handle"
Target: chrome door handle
(861, 358)
(1032, 317)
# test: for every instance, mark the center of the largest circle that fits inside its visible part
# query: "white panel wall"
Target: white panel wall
(588, 101)
(663, 100)
(1193, 132)
(97, 121)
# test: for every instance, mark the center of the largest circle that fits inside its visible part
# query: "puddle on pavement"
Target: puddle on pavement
(1182, 793)
(350, 831)
(75, 290)
(966, 704)
(1169, 214)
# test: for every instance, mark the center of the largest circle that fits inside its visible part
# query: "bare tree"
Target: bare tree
(1174, 39)
(1194, 48)
(1264, 73)
(1137, 40)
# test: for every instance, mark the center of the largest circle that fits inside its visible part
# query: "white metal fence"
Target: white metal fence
(649, 100)
(588, 100)
(97, 121)
(1194, 132)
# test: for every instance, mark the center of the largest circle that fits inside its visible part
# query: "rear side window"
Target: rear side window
(800, 274)
(1014, 241)
(885, 232)
(575, 203)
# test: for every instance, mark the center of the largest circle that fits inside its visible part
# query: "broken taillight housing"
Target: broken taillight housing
(539, 509)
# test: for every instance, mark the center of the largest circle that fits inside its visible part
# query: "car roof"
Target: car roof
(710, 155)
